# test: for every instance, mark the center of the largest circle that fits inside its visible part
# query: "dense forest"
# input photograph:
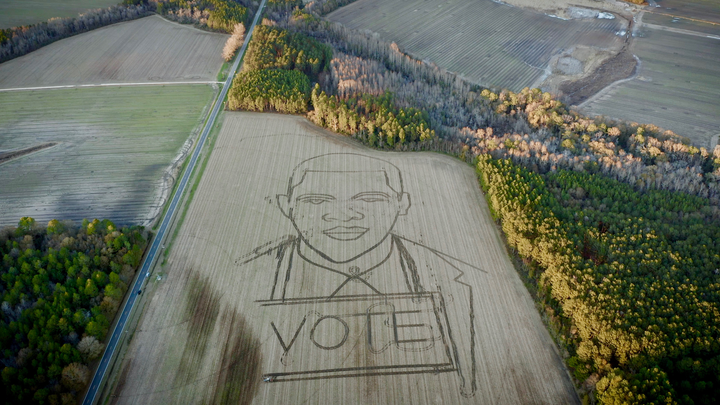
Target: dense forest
(61, 286)
(274, 48)
(617, 224)
(278, 68)
(285, 91)
(219, 15)
(630, 279)
(376, 118)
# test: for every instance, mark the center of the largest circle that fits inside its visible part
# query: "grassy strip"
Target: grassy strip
(212, 138)
(181, 171)
(222, 73)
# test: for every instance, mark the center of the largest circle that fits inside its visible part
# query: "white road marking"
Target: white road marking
(78, 86)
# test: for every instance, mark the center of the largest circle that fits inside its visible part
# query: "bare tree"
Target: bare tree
(234, 42)
(90, 347)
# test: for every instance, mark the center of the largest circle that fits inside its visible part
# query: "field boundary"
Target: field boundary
(133, 294)
(177, 167)
(80, 86)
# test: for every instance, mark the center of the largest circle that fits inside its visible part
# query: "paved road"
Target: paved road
(155, 248)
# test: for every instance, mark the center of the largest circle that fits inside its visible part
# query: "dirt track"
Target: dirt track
(8, 156)
(217, 325)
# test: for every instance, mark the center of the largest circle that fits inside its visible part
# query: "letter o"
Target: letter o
(333, 347)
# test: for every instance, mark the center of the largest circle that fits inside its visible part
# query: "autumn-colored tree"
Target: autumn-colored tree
(234, 42)
(75, 376)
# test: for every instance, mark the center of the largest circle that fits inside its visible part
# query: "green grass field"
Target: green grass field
(677, 88)
(14, 13)
(114, 146)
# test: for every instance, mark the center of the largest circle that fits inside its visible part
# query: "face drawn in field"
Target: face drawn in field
(350, 297)
(344, 205)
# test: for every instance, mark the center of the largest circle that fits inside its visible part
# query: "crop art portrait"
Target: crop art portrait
(311, 270)
(350, 297)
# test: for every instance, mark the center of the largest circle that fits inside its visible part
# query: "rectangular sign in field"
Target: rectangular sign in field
(390, 334)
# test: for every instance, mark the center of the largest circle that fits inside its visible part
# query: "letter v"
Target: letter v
(286, 348)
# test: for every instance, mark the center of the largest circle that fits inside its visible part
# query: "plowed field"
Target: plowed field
(14, 13)
(113, 148)
(677, 87)
(147, 49)
(489, 43)
(263, 299)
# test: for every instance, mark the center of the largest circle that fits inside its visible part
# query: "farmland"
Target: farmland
(113, 146)
(15, 13)
(668, 21)
(203, 336)
(708, 10)
(560, 7)
(488, 43)
(677, 87)
(148, 49)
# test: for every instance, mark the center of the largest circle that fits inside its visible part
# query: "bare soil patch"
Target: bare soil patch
(147, 49)
(618, 67)
(243, 314)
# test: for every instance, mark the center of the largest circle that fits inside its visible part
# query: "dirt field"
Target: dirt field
(14, 13)
(707, 10)
(113, 146)
(677, 87)
(398, 291)
(559, 7)
(682, 23)
(492, 44)
(148, 49)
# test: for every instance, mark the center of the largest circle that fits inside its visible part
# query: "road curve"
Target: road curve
(91, 396)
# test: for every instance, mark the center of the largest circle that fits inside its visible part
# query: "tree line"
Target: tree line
(18, 41)
(219, 15)
(283, 5)
(60, 287)
(322, 7)
(374, 119)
